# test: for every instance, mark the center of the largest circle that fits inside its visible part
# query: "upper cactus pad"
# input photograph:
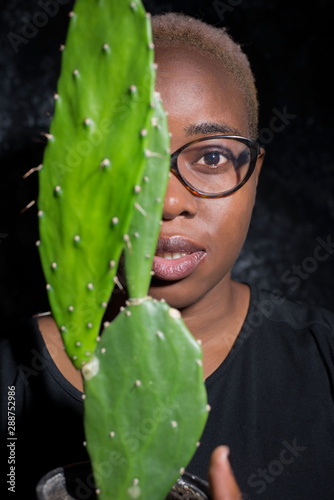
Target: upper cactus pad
(94, 158)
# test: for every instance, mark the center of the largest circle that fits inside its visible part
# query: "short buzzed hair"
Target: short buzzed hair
(173, 28)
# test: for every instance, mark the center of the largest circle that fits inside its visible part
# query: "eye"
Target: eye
(213, 158)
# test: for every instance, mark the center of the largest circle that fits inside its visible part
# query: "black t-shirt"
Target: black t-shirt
(271, 402)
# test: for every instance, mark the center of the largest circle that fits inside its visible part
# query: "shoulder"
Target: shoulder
(18, 339)
(299, 326)
(275, 308)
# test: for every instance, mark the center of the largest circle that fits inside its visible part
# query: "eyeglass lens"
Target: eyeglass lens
(214, 165)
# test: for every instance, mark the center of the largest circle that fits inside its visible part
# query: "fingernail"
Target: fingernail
(225, 452)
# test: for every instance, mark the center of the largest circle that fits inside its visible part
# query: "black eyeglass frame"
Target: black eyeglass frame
(255, 151)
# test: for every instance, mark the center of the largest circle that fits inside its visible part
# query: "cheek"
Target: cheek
(227, 221)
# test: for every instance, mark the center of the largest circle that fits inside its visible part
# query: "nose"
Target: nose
(178, 200)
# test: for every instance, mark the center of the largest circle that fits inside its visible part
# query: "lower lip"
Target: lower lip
(176, 269)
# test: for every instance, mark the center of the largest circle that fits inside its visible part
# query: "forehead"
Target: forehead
(196, 88)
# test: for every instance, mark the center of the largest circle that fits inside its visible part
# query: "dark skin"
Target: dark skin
(199, 95)
(202, 99)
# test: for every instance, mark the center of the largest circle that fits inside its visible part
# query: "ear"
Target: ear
(259, 163)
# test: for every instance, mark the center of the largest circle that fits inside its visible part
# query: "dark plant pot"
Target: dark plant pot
(75, 482)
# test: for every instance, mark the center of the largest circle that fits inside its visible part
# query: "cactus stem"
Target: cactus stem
(141, 210)
(30, 204)
(136, 301)
(32, 170)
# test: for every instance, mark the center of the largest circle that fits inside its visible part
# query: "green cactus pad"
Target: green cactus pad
(145, 405)
(145, 224)
(94, 158)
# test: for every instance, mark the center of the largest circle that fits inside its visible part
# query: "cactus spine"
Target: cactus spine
(104, 176)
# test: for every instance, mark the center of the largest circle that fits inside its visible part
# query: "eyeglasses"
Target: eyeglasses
(215, 166)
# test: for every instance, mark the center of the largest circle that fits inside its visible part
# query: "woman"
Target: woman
(267, 362)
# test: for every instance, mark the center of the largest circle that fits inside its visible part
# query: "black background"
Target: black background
(290, 48)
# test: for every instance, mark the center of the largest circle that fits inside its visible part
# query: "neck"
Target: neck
(216, 321)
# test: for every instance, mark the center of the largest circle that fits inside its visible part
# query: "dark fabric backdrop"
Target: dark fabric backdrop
(290, 48)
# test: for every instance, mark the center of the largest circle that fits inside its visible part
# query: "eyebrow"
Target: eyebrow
(211, 128)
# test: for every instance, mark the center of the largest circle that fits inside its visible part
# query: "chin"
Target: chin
(173, 292)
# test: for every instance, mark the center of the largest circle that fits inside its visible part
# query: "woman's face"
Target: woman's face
(201, 99)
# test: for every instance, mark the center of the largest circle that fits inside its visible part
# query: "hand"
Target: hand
(222, 481)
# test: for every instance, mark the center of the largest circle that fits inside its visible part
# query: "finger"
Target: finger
(222, 481)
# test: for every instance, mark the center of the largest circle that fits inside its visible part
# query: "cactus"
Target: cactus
(93, 161)
(104, 176)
